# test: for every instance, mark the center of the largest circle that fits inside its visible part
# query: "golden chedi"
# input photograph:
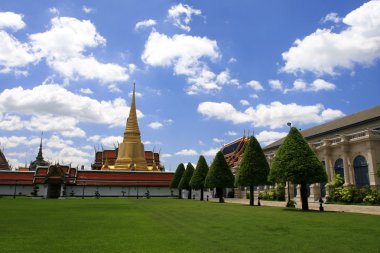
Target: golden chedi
(131, 154)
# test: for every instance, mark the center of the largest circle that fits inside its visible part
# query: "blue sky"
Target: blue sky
(205, 72)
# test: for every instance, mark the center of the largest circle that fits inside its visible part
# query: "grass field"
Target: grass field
(172, 225)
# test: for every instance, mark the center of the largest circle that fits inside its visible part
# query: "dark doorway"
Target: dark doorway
(361, 171)
(54, 191)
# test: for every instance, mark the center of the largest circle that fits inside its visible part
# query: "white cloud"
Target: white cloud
(145, 23)
(267, 137)
(275, 85)
(11, 20)
(223, 111)
(166, 155)
(10, 122)
(155, 125)
(12, 141)
(210, 152)
(86, 91)
(51, 108)
(64, 46)
(217, 140)
(114, 88)
(94, 138)
(256, 85)
(244, 102)
(137, 94)
(232, 60)
(86, 9)
(187, 152)
(255, 96)
(54, 11)
(181, 14)
(13, 53)
(111, 141)
(315, 86)
(325, 51)
(273, 115)
(66, 126)
(231, 133)
(332, 17)
(187, 55)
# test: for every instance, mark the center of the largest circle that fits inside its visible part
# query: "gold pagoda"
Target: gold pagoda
(131, 154)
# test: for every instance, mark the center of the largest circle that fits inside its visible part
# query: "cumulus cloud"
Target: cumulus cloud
(111, 141)
(86, 9)
(180, 15)
(244, 102)
(231, 133)
(11, 20)
(13, 53)
(273, 115)
(210, 152)
(10, 122)
(51, 108)
(267, 137)
(166, 155)
(217, 140)
(145, 23)
(326, 51)
(315, 86)
(64, 46)
(256, 85)
(332, 17)
(187, 55)
(155, 125)
(187, 152)
(54, 10)
(275, 85)
(86, 91)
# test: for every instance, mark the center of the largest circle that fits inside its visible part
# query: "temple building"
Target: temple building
(40, 161)
(349, 146)
(4, 165)
(126, 171)
(130, 154)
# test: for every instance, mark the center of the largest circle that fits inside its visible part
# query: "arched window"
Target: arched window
(338, 167)
(361, 171)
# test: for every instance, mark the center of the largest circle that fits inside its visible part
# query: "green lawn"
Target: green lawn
(172, 225)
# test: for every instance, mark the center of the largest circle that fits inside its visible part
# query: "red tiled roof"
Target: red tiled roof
(16, 177)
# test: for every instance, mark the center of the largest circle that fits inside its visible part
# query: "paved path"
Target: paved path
(312, 205)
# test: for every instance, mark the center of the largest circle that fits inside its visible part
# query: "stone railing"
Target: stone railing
(350, 137)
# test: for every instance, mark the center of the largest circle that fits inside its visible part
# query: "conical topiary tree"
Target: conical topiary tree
(185, 180)
(219, 175)
(198, 179)
(253, 169)
(295, 161)
(177, 178)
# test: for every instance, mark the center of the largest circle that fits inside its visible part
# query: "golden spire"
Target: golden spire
(131, 155)
(132, 128)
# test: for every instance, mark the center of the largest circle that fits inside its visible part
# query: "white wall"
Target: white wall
(10, 189)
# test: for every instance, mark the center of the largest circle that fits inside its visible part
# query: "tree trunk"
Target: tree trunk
(179, 193)
(201, 194)
(288, 191)
(189, 194)
(305, 204)
(251, 195)
(219, 191)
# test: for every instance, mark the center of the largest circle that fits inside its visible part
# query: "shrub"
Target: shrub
(230, 194)
(291, 203)
(247, 195)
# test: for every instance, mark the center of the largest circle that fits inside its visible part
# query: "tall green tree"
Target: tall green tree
(198, 179)
(185, 180)
(295, 161)
(219, 175)
(253, 169)
(177, 178)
